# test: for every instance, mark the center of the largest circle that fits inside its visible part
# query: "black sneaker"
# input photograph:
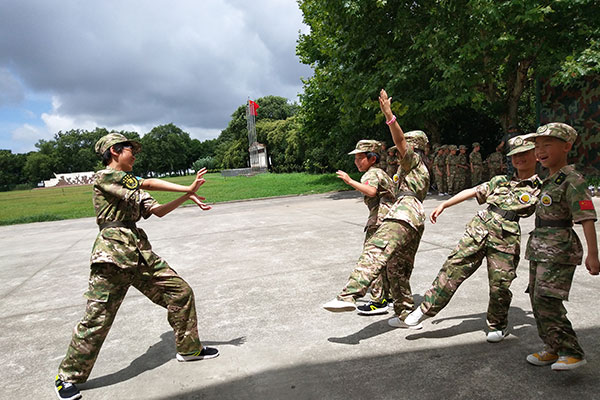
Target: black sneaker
(372, 308)
(66, 390)
(205, 353)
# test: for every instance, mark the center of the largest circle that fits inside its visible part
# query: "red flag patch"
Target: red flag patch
(586, 205)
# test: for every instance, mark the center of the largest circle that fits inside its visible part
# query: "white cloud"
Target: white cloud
(143, 63)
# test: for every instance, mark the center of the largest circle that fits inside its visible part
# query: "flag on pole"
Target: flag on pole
(253, 107)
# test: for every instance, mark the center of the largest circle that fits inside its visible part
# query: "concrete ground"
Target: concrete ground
(261, 270)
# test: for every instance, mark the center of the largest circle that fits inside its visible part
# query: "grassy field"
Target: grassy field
(52, 204)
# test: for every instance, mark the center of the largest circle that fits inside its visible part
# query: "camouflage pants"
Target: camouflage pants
(450, 183)
(549, 285)
(380, 287)
(391, 251)
(476, 175)
(460, 180)
(440, 183)
(107, 288)
(464, 260)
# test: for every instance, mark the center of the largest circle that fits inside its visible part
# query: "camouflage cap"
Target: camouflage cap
(107, 141)
(519, 144)
(444, 146)
(476, 144)
(462, 147)
(418, 139)
(393, 148)
(365, 146)
(555, 129)
(452, 147)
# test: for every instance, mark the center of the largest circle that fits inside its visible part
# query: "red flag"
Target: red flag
(586, 205)
(253, 107)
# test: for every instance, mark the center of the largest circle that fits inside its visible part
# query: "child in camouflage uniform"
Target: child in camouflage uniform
(394, 244)
(392, 162)
(493, 234)
(451, 169)
(379, 195)
(554, 250)
(462, 172)
(122, 257)
(439, 170)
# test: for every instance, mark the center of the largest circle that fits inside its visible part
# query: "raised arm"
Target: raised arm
(367, 190)
(165, 186)
(457, 198)
(395, 129)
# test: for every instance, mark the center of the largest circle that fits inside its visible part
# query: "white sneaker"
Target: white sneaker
(566, 363)
(497, 336)
(336, 305)
(415, 317)
(398, 323)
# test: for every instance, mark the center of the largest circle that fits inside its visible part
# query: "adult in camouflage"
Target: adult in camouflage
(122, 257)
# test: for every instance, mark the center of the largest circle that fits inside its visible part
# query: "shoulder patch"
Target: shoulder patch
(130, 181)
(586, 205)
(560, 178)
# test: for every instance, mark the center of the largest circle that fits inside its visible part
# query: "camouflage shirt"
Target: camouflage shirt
(380, 204)
(475, 159)
(462, 161)
(117, 197)
(494, 161)
(510, 194)
(564, 197)
(412, 176)
(452, 161)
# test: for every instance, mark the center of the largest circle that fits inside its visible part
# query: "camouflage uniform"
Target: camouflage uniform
(392, 162)
(122, 257)
(494, 162)
(382, 157)
(395, 242)
(494, 237)
(439, 171)
(451, 166)
(462, 171)
(477, 163)
(554, 250)
(378, 206)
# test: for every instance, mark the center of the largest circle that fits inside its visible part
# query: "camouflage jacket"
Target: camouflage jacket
(564, 197)
(451, 162)
(380, 204)
(475, 159)
(117, 197)
(412, 176)
(440, 162)
(392, 165)
(494, 162)
(382, 160)
(510, 194)
(462, 161)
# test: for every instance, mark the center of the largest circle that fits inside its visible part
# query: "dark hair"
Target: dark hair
(371, 154)
(107, 157)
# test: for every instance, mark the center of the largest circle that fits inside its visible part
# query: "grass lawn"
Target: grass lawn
(52, 204)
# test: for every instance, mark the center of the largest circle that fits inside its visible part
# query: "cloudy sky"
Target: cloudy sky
(135, 64)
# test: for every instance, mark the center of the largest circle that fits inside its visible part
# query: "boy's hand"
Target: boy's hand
(592, 264)
(199, 181)
(436, 213)
(198, 200)
(385, 103)
(344, 176)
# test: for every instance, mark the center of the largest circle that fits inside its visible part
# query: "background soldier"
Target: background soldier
(495, 163)
(392, 161)
(439, 170)
(476, 164)
(451, 162)
(462, 175)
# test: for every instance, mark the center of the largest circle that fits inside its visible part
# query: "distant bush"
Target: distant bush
(205, 162)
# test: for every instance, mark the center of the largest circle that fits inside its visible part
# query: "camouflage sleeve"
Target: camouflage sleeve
(370, 178)
(147, 202)
(409, 161)
(386, 185)
(118, 184)
(580, 201)
(483, 191)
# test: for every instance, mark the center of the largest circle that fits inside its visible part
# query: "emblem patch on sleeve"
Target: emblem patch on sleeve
(586, 205)
(525, 198)
(130, 182)
(560, 178)
(396, 178)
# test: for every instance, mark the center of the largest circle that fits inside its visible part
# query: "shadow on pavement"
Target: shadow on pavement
(468, 371)
(156, 355)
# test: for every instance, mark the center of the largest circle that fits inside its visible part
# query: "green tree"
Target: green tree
(433, 56)
(166, 149)
(285, 141)
(11, 169)
(39, 167)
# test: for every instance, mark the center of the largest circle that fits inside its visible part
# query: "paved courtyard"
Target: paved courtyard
(261, 270)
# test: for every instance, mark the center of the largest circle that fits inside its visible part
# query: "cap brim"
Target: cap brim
(521, 149)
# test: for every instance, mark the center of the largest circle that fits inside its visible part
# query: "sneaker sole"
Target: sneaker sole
(539, 363)
(181, 358)
(350, 307)
(567, 367)
(379, 311)
(75, 397)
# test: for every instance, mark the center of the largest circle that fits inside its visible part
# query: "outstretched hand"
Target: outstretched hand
(436, 213)
(385, 102)
(199, 181)
(343, 176)
(199, 201)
